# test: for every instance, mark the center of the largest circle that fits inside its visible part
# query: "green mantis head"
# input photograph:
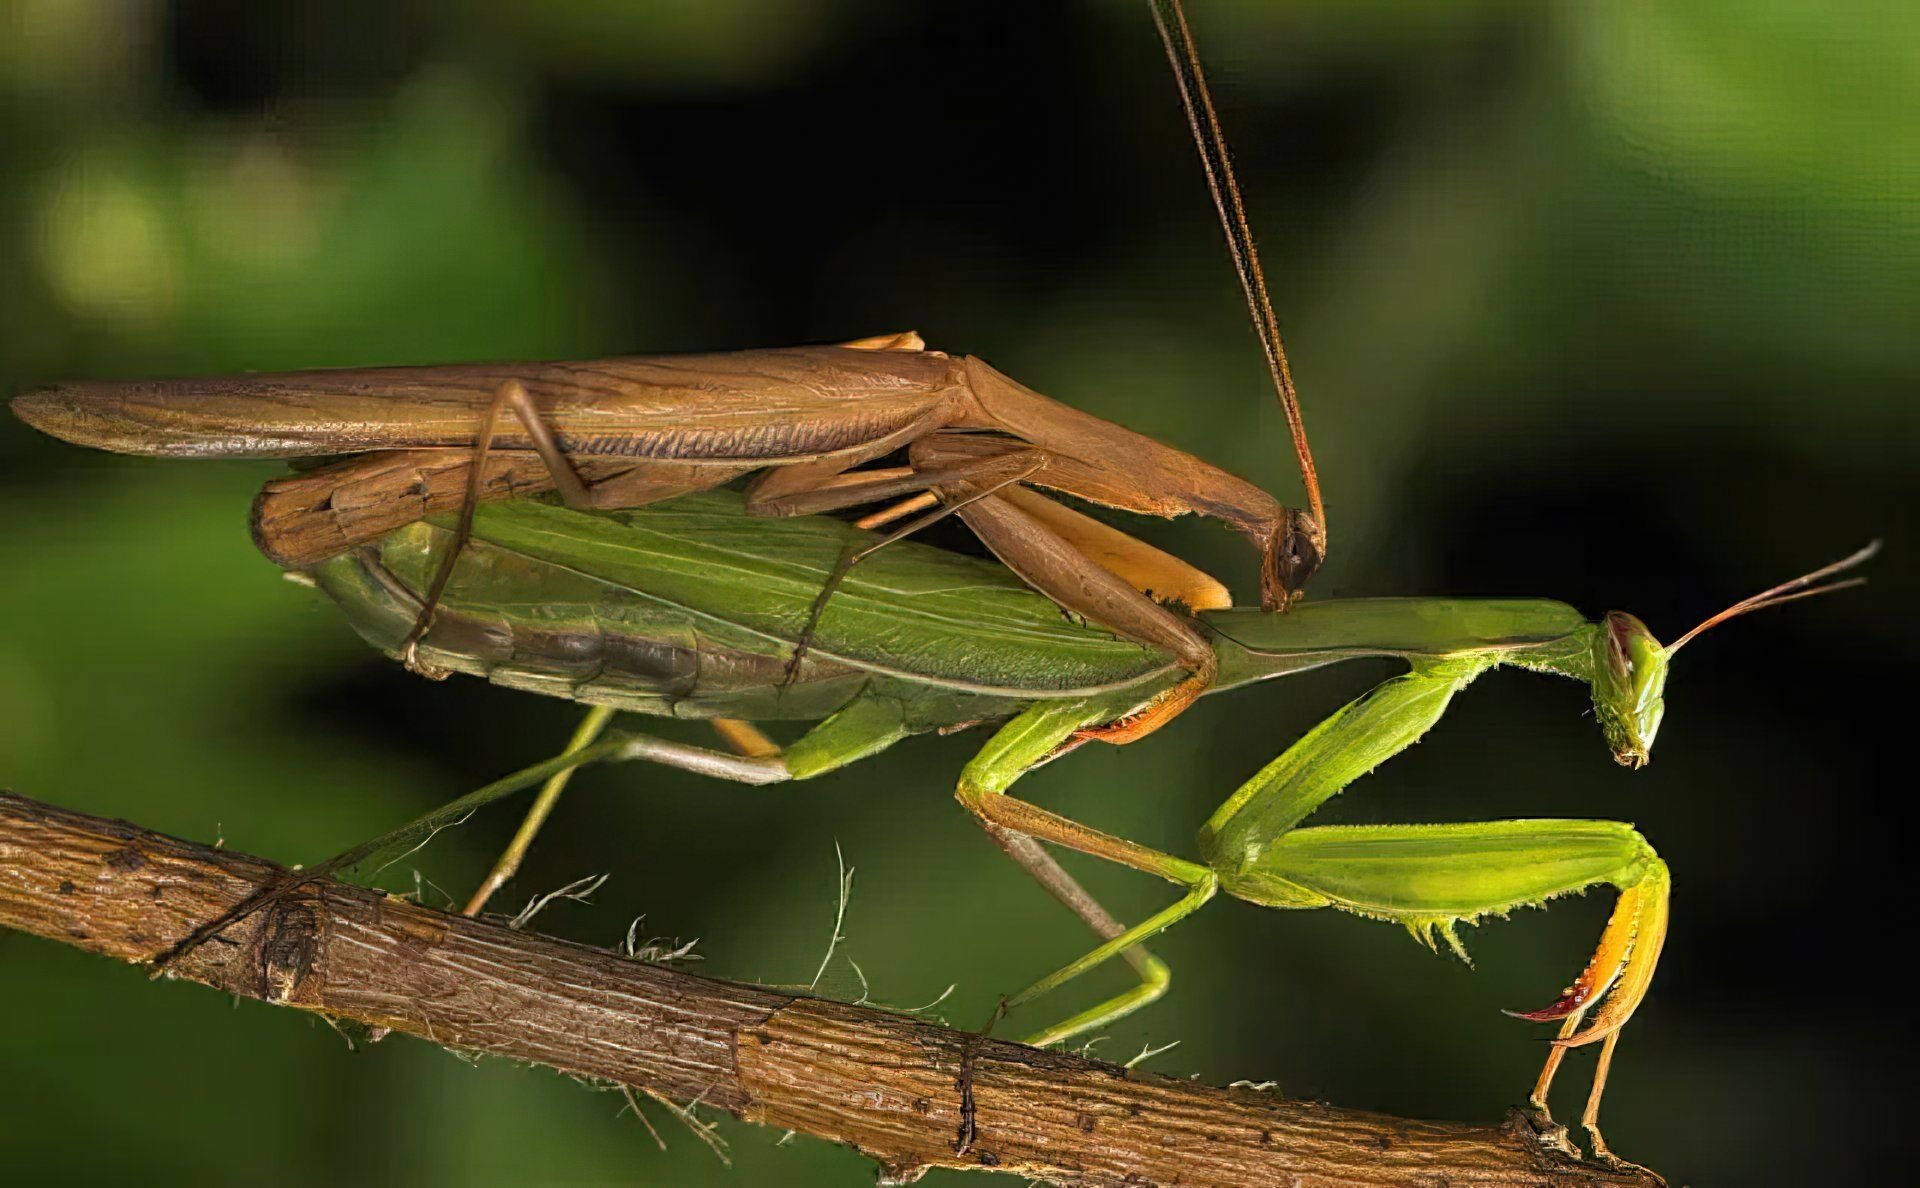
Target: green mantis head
(1629, 676)
(1630, 665)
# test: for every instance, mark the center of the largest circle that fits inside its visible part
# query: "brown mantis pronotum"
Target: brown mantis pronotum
(626, 432)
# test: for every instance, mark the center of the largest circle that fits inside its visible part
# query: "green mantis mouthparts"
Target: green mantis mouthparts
(691, 609)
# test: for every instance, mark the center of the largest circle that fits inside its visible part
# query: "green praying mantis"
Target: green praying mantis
(691, 609)
(654, 591)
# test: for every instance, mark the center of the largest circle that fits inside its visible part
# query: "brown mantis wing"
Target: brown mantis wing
(813, 412)
(762, 406)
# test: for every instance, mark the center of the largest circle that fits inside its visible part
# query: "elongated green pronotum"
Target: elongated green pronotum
(690, 610)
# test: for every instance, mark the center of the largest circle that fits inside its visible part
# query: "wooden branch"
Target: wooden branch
(881, 1083)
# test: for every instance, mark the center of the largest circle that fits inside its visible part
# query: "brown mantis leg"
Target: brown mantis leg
(1002, 472)
(566, 480)
(905, 507)
(885, 516)
(851, 490)
(1062, 570)
(1157, 574)
(1053, 548)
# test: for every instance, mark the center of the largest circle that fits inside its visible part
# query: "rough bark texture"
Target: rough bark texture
(881, 1083)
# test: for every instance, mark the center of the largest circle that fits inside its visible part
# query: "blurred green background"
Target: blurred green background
(1614, 303)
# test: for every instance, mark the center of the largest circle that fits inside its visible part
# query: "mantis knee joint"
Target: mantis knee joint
(971, 793)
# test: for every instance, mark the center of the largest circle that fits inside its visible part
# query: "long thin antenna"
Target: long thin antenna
(1171, 20)
(1804, 586)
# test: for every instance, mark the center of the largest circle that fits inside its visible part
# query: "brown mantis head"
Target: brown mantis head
(1298, 546)
(1291, 556)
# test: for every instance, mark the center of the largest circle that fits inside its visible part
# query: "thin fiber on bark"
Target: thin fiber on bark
(881, 1083)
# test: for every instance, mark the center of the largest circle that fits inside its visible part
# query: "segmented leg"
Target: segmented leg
(858, 730)
(512, 396)
(1432, 878)
(1001, 473)
(905, 507)
(508, 864)
(1621, 969)
(1062, 570)
(1018, 747)
(1155, 977)
(742, 737)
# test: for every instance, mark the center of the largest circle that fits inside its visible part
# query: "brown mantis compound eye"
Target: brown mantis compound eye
(1293, 556)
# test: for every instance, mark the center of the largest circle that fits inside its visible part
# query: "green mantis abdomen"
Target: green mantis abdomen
(586, 641)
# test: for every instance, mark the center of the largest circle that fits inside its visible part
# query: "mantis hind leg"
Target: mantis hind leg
(742, 737)
(861, 728)
(1432, 878)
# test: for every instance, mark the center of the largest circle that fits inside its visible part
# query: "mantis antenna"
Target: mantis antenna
(1171, 20)
(1804, 586)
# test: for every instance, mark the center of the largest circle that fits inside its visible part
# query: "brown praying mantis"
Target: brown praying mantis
(806, 421)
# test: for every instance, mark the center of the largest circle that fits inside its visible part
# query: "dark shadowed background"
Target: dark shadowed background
(1612, 303)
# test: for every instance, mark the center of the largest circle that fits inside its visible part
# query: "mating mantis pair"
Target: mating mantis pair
(616, 433)
(696, 608)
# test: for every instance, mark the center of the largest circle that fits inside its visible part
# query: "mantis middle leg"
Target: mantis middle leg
(1017, 748)
(864, 727)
